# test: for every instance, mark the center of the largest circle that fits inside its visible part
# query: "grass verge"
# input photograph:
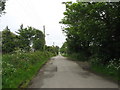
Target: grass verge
(19, 69)
(110, 73)
(104, 71)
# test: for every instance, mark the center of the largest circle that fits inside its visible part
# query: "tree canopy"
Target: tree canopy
(93, 28)
(2, 6)
(26, 39)
(8, 41)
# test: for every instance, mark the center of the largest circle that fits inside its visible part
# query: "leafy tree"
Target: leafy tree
(92, 28)
(2, 6)
(30, 38)
(39, 40)
(25, 37)
(8, 41)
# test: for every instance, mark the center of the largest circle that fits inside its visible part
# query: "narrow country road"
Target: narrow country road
(62, 73)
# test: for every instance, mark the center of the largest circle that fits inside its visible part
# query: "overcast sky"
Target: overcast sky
(36, 13)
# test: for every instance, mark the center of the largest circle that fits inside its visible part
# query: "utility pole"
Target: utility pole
(44, 36)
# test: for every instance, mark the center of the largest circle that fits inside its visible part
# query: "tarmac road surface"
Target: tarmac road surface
(59, 72)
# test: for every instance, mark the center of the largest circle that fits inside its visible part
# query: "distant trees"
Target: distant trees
(52, 49)
(25, 40)
(93, 29)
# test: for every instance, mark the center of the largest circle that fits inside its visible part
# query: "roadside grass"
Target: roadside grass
(108, 71)
(19, 69)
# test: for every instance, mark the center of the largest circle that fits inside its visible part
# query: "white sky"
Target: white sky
(36, 13)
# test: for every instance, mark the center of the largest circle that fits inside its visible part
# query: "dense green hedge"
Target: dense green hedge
(18, 69)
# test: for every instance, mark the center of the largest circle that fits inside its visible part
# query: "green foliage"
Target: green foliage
(63, 49)
(18, 69)
(8, 41)
(52, 49)
(30, 37)
(2, 6)
(27, 39)
(111, 70)
(19, 64)
(38, 40)
(93, 28)
(78, 56)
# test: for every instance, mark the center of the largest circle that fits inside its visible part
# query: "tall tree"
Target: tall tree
(25, 37)
(8, 41)
(38, 40)
(93, 28)
(30, 38)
